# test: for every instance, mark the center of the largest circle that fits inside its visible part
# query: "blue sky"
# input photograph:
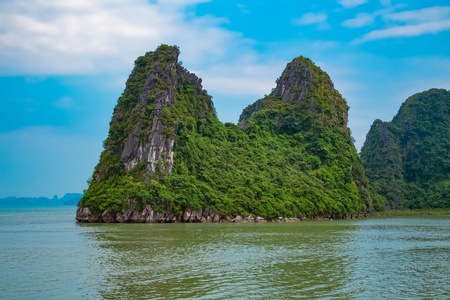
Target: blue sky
(63, 65)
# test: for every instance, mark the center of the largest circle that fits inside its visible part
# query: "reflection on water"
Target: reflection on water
(390, 258)
(49, 256)
(212, 261)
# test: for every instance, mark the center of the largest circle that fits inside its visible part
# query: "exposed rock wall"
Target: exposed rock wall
(155, 147)
(149, 215)
(139, 132)
(295, 82)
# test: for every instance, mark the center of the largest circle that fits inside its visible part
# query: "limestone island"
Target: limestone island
(168, 158)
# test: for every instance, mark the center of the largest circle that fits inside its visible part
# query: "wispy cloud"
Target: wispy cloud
(407, 31)
(410, 23)
(421, 15)
(351, 3)
(251, 79)
(361, 20)
(310, 18)
(364, 19)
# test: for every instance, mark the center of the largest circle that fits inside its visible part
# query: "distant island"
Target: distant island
(168, 158)
(67, 199)
(407, 160)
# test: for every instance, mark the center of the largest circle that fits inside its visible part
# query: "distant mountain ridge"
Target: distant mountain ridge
(67, 199)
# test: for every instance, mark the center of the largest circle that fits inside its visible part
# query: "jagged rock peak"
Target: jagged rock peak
(297, 79)
(311, 92)
(143, 128)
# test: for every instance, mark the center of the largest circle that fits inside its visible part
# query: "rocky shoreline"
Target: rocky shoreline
(207, 215)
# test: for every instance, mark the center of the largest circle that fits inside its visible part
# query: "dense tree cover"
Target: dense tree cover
(291, 153)
(408, 160)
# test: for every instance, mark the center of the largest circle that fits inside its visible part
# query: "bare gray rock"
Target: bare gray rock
(153, 145)
(295, 82)
(108, 217)
(83, 214)
(238, 219)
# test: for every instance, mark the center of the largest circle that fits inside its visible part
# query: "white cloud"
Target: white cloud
(361, 20)
(45, 37)
(250, 79)
(410, 23)
(49, 37)
(240, 85)
(366, 19)
(318, 19)
(311, 18)
(421, 15)
(407, 31)
(351, 3)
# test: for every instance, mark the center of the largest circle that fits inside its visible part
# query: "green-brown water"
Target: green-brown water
(46, 255)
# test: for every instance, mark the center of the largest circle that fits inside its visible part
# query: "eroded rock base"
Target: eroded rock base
(207, 215)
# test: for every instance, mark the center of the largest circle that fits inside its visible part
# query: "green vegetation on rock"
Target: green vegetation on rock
(408, 160)
(290, 155)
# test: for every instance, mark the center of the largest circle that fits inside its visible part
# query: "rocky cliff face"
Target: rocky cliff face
(168, 158)
(143, 127)
(302, 81)
(408, 160)
(311, 95)
(295, 82)
(386, 161)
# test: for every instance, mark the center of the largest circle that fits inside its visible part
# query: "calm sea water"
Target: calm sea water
(45, 254)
